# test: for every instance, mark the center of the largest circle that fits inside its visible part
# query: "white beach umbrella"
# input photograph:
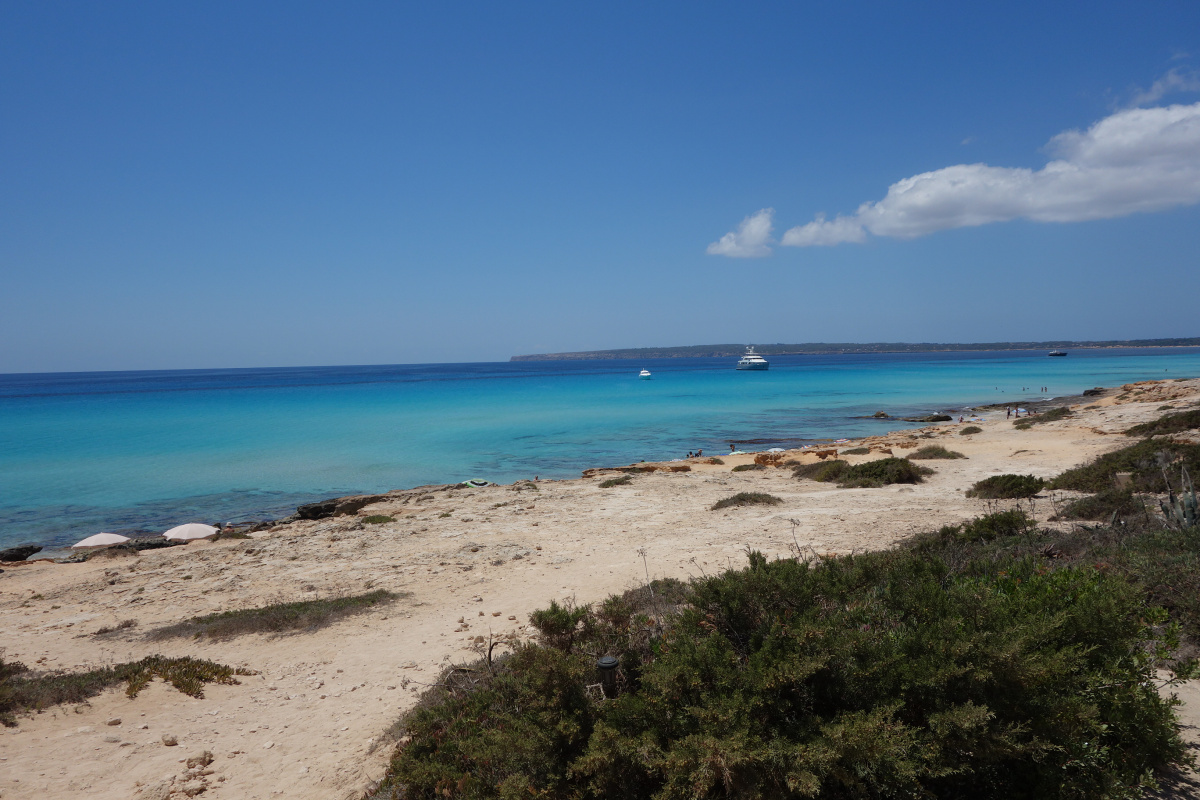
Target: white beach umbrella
(190, 532)
(100, 540)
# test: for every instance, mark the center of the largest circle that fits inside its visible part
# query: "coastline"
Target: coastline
(474, 562)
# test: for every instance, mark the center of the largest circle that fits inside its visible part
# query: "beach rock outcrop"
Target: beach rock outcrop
(930, 418)
(880, 415)
(19, 553)
(1093, 392)
(338, 506)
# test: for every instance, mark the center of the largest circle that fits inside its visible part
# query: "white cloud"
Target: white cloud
(1137, 160)
(1173, 81)
(751, 239)
(821, 232)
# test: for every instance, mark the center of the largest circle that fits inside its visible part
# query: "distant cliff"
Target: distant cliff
(820, 348)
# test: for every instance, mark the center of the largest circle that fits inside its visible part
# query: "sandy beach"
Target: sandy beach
(469, 564)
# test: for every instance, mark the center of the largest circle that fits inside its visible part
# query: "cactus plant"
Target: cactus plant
(1183, 510)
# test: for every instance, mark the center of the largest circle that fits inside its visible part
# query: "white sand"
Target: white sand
(309, 725)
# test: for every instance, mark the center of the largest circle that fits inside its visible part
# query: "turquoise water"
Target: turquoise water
(141, 451)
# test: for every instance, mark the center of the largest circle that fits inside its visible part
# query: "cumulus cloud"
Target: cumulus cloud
(751, 239)
(1137, 160)
(1134, 161)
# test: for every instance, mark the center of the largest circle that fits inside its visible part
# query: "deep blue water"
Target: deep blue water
(85, 452)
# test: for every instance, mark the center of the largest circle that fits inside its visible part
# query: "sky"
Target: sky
(206, 185)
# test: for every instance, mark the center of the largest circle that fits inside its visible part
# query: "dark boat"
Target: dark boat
(1056, 353)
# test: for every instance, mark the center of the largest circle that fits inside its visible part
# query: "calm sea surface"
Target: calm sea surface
(141, 451)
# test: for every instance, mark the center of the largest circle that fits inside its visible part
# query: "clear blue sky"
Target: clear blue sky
(255, 184)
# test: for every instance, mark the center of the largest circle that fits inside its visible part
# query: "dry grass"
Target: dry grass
(23, 691)
(623, 480)
(278, 617)
(935, 451)
(747, 499)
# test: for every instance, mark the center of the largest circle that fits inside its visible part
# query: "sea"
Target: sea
(139, 452)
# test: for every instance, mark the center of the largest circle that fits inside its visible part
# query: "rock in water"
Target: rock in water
(19, 553)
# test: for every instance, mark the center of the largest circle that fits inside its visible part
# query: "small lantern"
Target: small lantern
(608, 674)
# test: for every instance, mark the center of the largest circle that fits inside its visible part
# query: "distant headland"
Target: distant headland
(827, 348)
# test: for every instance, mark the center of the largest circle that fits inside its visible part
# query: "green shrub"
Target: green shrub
(1102, 506)
(822, 471)
(1169, 423)
(882, 472)
(277, 617)
(990, 527)
(1145, 460)
(623, 480)
(378, 519)
(747, 499)
(1006, 487)
(884, 675)
(22, 691)
(969, 430)
(747, 467)
(930, 451)
(716, 461)
(856, 451)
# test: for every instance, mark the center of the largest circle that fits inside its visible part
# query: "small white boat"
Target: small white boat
(644, 374)
(752, 360)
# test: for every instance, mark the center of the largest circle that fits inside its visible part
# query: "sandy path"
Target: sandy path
(310, 725)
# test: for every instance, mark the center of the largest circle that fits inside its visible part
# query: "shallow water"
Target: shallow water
(138, 451)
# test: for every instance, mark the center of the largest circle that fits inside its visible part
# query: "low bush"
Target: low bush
(931, 451)
(747, 499)
(378, 519)
(1006, 487)
(989, 527)
(856, 451)
(123, 625)
(969, 430)
(1169, 423)
(883, 675)
(23, 691)
(820, 471)
(1144, 460)
(1104, 505)
(716, 461)
(747, 467)
(623, 480)
(278, 617)
(882, 472)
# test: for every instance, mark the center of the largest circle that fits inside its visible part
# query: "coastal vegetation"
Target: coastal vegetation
(377, 519)
(1102, 506)
(931, 451)
(969, 430)
(1167, 424)
(748, 467)
(871, 474)
(1053, 415)
(622, 480)
(856, 451)
(277, 617)
(1006, 487)
(747, 499)
(990, 660)
(1145, 463)
(22, 690)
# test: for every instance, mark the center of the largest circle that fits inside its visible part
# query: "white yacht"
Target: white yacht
(644, 374)
(752, 360)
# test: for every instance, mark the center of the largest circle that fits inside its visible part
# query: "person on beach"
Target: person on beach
(699, 453)
(1008, 413)
(732, 448)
